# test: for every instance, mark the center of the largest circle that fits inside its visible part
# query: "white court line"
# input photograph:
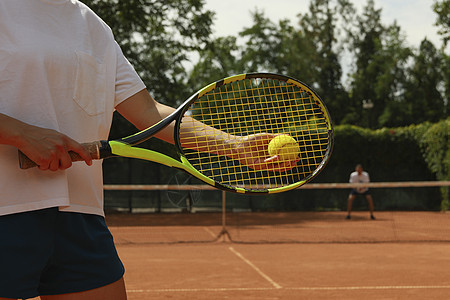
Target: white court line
(209, 231)
(385, 287)
(276, 285)
(324, 288)
(199, 290)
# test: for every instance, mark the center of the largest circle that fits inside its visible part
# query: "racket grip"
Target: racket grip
(93, 148)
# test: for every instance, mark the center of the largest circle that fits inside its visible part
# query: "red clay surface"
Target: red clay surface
(287, 271)
(159, 267)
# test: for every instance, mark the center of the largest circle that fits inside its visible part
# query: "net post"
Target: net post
(224, 234)
(224, 210)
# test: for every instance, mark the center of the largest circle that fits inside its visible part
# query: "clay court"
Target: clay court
(401, 255)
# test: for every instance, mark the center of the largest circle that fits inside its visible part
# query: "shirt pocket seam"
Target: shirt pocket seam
(90, 84)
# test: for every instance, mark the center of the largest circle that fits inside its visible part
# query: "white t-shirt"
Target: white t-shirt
(60, 68)
(360, 178)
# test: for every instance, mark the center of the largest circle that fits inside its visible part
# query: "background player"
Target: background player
(359, 176)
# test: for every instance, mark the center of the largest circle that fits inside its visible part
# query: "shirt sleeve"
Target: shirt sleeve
(128, 81)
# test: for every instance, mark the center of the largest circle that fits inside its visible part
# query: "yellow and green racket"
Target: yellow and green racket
(256, 105)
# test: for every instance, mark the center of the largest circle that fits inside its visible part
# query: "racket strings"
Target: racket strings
(251, 107)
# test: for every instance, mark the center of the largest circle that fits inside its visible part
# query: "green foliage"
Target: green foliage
(392, 153)
(158, 37)
(388, 154)
(217, 60)
(319, 28)
(423, 100)
(435, 143)
(442, 9)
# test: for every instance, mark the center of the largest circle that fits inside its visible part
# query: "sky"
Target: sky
(415, 17)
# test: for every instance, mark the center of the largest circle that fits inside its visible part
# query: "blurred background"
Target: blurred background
(388, 97)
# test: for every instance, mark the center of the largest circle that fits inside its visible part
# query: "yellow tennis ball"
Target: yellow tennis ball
(285, 146)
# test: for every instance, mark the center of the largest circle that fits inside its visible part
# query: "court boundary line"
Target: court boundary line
(336, 288)
(255, 268)
(205, 228)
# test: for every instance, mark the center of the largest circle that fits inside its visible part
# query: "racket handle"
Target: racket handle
(93, 148)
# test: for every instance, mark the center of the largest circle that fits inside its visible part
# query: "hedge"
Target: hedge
(414, 153)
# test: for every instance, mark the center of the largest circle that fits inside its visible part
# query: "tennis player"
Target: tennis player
(61, 77)
(359, 176)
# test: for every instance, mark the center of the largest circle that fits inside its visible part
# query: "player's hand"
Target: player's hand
(252, 151)
(49, 149)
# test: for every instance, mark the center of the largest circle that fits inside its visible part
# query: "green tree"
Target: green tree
(423, 100)
(218, 60)
(446, 76)
(442, 9)
(266, 45)
(365, 43)
(319, 28)
(390, 83)
(380, 69)
(157, 37)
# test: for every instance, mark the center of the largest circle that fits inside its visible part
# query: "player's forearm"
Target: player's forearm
(143, 111)
(11, 131)
(198, 136)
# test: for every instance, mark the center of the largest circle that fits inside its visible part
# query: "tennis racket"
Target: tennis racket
(248, 107)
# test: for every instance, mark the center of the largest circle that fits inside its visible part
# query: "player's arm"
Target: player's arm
(352, 179)
(143, 111)
(48, 148)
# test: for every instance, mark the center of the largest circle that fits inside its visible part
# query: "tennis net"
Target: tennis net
(200, 214)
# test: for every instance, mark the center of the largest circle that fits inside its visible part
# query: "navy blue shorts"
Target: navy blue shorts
(355, 192)
(48, 252)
